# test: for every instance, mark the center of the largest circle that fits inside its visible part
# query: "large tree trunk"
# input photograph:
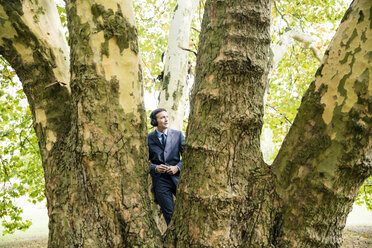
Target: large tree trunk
(175, 86)
(33, 42)
(223, 198)
(228, 198)
(327, 153)
(92, 141)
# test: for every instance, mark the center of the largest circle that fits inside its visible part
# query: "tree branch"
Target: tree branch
(285, 117)
(40, 57)
(308, 43)
(280, 13)
(4, 169)
(197, 30)
(189, 50)
(325, 157)
(286, 39)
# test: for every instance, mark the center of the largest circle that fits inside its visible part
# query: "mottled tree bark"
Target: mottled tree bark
(92, 141)
(228, 196)
(224, 192)
(327, 153)
(35, 46)
(175, 85)
(33, 43)
(93, 137)
(105, 181)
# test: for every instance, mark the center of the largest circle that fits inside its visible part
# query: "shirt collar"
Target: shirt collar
(158, 133)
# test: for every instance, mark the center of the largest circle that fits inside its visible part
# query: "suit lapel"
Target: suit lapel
(155, 138)
(169, 144)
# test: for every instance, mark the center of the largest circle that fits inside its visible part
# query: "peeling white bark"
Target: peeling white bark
(175, 84)
(123, 66)
(281, 48)
(47, 41)
(43, 20)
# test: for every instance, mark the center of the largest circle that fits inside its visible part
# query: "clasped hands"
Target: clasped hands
(171, 170)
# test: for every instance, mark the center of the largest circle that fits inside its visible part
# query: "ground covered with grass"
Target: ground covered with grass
(27, 243)
(357, 233)
(357, 236)
(354, 237)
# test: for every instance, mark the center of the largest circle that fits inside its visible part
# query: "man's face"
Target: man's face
(162, 119)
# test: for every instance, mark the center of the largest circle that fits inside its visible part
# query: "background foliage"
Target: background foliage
(21, 171)
(365, 194)
(294, 73)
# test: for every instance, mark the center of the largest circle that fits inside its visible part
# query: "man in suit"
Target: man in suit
(165, 149)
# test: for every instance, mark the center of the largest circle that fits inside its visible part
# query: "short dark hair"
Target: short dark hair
(153, 114)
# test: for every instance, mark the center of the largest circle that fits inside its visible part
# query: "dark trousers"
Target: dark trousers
(164, 191)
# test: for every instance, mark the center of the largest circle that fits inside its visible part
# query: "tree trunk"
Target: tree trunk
(326, 155)
(106, 158)
(223, 198)
(92, 141)
(175, 84)
(33, 43)
(229, 198)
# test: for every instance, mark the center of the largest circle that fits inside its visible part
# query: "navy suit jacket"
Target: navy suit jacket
(168, 155)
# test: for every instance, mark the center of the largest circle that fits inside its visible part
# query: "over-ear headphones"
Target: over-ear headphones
(154, 122)
(153, 114)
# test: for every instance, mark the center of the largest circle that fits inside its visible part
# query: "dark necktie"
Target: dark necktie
(163, 141)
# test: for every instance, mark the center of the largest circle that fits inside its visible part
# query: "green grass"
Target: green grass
(357, 236)
(358, 231)
(31, 243)
(37, 213)
(354, 236)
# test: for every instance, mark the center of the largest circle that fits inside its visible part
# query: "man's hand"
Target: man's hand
(161, 168)
(172, 170)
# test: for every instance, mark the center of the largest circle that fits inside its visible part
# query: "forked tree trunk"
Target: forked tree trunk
(228, 197)
(93, 140)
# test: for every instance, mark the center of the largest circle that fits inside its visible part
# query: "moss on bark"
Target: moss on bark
(224, 179)
(113, 24)
(318, 181)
